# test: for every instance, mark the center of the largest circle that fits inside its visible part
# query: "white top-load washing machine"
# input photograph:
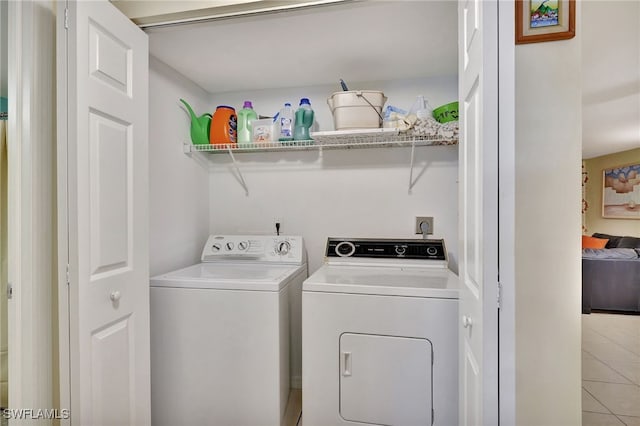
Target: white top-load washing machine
(379, 335)
(223, 332)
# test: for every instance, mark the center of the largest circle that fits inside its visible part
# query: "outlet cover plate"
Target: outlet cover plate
(420, 219)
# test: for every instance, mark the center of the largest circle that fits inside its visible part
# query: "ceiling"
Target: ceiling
(356, 41)
(152, 12)
(382, 40)
(610, 77)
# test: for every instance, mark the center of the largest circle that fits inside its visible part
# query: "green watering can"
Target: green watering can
(200, 126)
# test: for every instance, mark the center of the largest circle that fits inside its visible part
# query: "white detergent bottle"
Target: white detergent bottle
(285, 123)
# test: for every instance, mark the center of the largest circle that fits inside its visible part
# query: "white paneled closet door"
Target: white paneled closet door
(478, 216)
(103, 132)
(4, 330)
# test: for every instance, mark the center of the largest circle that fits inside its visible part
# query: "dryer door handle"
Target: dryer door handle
(346, 364)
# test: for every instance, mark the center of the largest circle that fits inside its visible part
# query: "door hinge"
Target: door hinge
(68, 274)
(66, 18)
(9, 290)
(499, 297)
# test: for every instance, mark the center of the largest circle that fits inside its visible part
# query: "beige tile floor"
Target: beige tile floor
(294, 408)
(610, 370)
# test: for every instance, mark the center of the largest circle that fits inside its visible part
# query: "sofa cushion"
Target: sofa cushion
(614, 253)
(593, 243)
(613, 239)
(629, 242)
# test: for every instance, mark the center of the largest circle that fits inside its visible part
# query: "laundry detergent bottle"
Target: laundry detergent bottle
(223, 126)
(303, 120)
(245, 116)
(285, 123)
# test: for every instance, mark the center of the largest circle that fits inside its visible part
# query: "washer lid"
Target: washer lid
(229, 276)
(387, 281)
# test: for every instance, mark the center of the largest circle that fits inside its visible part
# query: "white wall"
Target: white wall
(341, 193)
(178, 184)
(547, 223)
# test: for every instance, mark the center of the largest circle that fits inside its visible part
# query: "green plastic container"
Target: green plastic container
(446, 113)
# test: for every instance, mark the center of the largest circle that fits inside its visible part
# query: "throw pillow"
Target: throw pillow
(593, 243)
(613, 239)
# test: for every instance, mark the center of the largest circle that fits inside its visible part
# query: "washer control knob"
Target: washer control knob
(283, 248)
(345, 249)
(243, 245)
(401, 250)
(216, 247)
(432, 251)
(229, 246)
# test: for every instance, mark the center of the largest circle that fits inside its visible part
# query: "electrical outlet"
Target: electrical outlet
(428, 220)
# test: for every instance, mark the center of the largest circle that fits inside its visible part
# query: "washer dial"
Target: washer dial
(432, 251)
(283, 248)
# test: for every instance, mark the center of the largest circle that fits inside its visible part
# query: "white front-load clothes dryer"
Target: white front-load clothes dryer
(379, 335)
(224, 333)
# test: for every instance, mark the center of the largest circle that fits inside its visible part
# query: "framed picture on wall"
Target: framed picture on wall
(621, 192)
(545, 20)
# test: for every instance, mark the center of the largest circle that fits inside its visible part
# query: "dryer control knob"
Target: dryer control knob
(283, 247)
(243, 245)
(345, 249)
(216, 247)
(432, 251)
(229, 246)
(401, 250)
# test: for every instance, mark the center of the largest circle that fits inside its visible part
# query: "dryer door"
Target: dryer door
(386, 380)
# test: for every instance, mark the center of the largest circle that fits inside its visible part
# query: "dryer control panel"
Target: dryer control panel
(257, 248)
(433, 249)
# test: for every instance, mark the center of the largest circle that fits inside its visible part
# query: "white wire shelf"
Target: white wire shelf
(323, 142)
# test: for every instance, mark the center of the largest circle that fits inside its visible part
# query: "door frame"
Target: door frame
(64, 336)
(23, 383)
(31, 234)
(506, 214)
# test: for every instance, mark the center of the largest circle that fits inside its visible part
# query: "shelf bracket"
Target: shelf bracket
(235, 165)
(413, 152)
